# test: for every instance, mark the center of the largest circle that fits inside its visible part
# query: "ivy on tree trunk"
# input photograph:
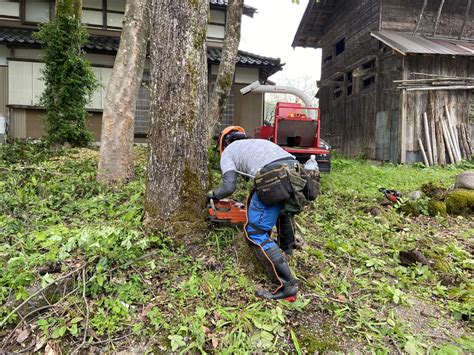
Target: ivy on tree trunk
(118, 121)
(178, 138)
(69, 79)
(225, 75)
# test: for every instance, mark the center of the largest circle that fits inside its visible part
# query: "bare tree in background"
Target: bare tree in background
(118, 121)
(225, 75)
(179, 126)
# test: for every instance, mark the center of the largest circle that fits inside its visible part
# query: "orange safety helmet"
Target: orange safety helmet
(225, 132)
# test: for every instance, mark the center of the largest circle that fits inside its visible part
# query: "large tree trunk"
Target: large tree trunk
(178, 140)
(225, 75)
(116, 151)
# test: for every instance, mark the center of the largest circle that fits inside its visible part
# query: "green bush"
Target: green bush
(68, 77)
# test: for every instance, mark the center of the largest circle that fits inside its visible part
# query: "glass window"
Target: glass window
(114, 20)
(217, 17)
(92, 4)
(37, 11)
(340, 46)
(215, 31)
(10, 8)
(116, 5)
(92, 17)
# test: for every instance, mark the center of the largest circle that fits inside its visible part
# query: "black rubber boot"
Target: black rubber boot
(280, 271)
(266, 264)
(286, 233)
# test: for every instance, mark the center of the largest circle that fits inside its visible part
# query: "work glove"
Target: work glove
(210, 196)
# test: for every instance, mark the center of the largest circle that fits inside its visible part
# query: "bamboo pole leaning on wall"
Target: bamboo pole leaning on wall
(425, 159)
(447, 140)
(451, 131)
(428, 141)
(434, 148)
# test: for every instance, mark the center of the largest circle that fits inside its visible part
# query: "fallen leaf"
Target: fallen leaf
(147, 309)
(40, 342)
(342, 298)
(51, 348)
(22, 334)
(215, 343)
(93, 334)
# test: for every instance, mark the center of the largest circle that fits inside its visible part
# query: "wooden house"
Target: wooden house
(384, 64)
(21, 64)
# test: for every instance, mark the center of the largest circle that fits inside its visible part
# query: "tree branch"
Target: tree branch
(69, 274)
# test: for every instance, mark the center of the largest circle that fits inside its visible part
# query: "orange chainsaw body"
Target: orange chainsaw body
(229, 211)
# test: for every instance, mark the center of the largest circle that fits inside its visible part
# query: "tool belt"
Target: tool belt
(272, 184)
(281, 181)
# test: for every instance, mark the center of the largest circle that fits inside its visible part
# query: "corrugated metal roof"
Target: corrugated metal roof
(248, 10)
(406, 43)
(24, 37)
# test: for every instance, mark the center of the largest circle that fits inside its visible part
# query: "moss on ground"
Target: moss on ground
(317, 342)
(460, 202)
(436, 208)
(410, 208)
(434, 190)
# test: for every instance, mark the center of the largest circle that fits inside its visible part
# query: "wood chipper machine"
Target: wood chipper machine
(296, 127)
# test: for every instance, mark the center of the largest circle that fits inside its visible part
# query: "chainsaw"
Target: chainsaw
(391, 195)
(227, 211)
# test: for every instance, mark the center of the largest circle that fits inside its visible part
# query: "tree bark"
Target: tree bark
(225, 75)
(178, 140)
(118, 120)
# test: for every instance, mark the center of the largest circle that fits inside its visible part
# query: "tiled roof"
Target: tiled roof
(106, 44)
(16, 36)
(248, 10)
(268, 65)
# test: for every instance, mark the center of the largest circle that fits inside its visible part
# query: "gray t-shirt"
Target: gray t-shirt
(250, 155)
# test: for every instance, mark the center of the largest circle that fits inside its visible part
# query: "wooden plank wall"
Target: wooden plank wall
(471, 117)
(3, 91)
(402, 16)
(389, 68)
(458, 101)
(348, 122)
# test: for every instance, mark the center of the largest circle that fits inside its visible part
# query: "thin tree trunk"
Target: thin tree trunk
(178, 141)
(225, 75)
(77, 8)
(118, 120)
(71, 7)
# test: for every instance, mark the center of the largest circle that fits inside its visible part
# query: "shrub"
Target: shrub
(68, 77)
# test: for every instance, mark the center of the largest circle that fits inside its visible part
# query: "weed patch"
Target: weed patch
(125, 287)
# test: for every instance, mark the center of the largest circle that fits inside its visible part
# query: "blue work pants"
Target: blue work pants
(261, 219)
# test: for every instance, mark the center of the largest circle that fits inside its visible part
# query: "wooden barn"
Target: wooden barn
(387, 62)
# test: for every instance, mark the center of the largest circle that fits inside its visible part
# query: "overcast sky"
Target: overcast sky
(270, 33)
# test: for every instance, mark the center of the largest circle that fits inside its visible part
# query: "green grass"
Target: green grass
(354, 294)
